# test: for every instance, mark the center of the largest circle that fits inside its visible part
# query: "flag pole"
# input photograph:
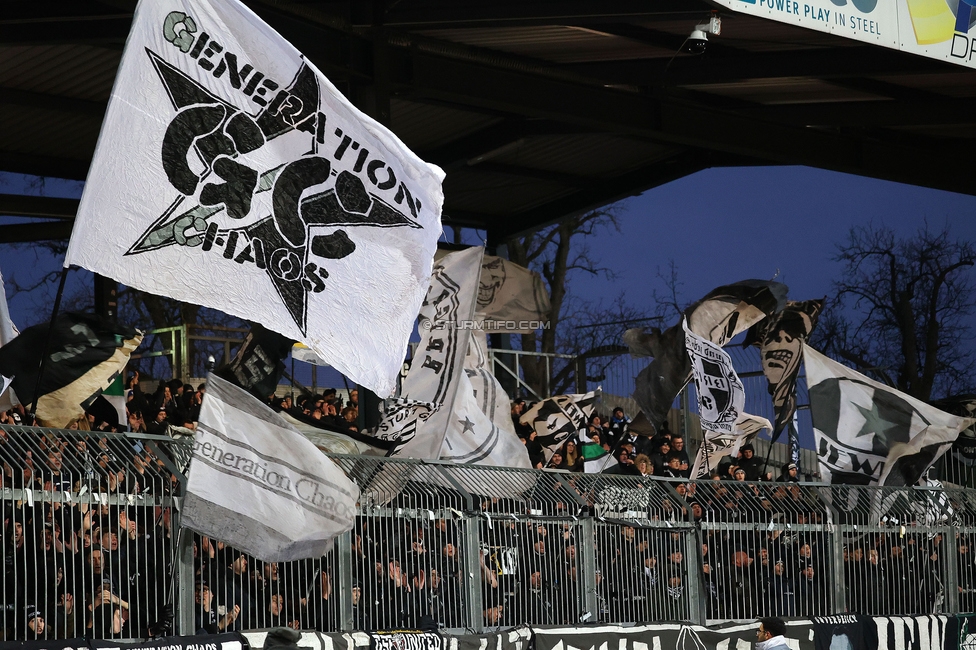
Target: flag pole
(772, 439)
(47, 344)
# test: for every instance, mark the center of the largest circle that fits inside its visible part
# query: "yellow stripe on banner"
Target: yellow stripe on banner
(933, 21)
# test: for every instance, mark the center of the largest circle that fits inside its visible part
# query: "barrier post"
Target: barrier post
(591, 612)
(344, 549)
(839, 585)
(472, 572)
(183, 599)
(696, 595)
(951, 580)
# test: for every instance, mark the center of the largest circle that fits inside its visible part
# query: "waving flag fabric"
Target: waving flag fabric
(871, 434)
(231, 173)
(718, 317)
(257, 484)
(85, 355)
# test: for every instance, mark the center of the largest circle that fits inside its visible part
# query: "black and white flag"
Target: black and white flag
(231, 173)
(871, 434)
(557, 418)
(481, 429)
(716, 446)
(721, 395)
(258, 485)
(510, 295)
(719, 317)
(419, 420)
(780, 341)
(85, 354)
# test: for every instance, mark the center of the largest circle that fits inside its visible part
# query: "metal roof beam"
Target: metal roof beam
(739, 65)
(17, 97)
(19, 205)
(53, 166)
(58, 30)
(30, 232)
(939, 165)
(449, 14)
(621, 187)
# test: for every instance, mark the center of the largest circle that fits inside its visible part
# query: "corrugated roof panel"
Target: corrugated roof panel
(77, 71)
(786, 90)
(758, 35)
(48, 133)
(952, 84)
(554, 43)
(424, 126)
(585, 155)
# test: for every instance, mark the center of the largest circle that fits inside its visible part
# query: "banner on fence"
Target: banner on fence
(667, 637)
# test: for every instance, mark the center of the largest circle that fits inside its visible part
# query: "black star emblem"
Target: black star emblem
(290, 244)
(467, 424)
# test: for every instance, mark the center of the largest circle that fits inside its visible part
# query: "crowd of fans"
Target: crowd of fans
(102, 567)
(664, 454)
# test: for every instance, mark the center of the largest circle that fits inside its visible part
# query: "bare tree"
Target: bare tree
(903, 309)
(558, 253)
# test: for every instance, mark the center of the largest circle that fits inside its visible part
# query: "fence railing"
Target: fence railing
(90, 542)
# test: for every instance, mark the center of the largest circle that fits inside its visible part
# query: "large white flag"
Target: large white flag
(258, 485)
(419, 420)
(868, 433)
(231, 173)
(7, 334)
(721, 395)
(7, 329)
(481, 430)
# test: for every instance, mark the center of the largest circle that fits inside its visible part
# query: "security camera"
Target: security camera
(698, 40)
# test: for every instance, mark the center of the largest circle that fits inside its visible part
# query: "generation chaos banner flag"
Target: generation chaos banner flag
(257, 484)
(86, 353)
(718, 317)
(419, 420)
(868, 433)
(231, 173)
(559, 417)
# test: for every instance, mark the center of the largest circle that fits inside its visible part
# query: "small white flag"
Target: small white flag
(258, 485)
(716, 446)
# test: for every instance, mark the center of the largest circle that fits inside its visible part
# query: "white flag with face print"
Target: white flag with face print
(231, 173)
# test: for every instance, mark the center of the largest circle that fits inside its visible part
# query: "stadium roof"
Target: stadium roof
(537, 109)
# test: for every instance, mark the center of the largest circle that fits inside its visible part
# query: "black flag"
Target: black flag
(85, 353)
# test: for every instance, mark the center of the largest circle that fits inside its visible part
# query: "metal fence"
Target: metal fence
(91, 547)
(87, 531)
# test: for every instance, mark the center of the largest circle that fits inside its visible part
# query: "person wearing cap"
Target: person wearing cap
(34, 626)
(771, 634)
(790, 474)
